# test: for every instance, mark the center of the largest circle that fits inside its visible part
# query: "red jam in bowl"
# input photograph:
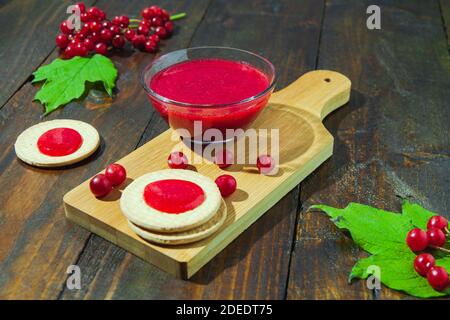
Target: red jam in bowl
(173, 195)
(59, 142)
(211, 91)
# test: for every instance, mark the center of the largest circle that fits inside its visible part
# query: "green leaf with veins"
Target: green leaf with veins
(373, 229)
(397, 272)
(418, 215)
(65, 80)
(383, 233)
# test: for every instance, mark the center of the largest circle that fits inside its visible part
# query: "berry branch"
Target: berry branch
(440, 249)
(98, 34)
(434, 238)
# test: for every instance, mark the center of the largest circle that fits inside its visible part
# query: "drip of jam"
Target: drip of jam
(59, 142)
(173, 195)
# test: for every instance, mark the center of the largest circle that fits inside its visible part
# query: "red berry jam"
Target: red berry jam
(59, 142)
(173, 196)
(210, 82)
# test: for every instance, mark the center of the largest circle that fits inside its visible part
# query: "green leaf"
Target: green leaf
(418, 215)
(397, 272)
(383, 233)
(373, 229)
(65, 80)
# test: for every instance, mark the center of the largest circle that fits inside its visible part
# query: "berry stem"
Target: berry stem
(135, 20)
(178, 16)
(441, 249)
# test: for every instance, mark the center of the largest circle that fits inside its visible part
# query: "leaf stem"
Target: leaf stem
(441, 249)
(178, 16)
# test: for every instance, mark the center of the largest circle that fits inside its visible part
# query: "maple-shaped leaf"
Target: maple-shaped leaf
(65, 80)
(383, 234)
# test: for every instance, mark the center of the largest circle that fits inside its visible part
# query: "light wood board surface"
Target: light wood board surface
(297, 111)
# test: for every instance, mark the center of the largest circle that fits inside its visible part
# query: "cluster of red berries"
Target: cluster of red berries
(435, 237)
(102, 184)
(98, 34)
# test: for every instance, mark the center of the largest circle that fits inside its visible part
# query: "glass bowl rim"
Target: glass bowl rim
(197, 105)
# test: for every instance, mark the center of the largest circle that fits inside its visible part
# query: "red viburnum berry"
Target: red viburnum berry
(436, 237)
(438, 278)
(423, 263)
(116, 174)
(100, 185)
(417, 240)
(150, 46)
(138, 41)
(129, 34)
(227, 184)
(177, 160)
(118, 41)
(62, 40)
(101, 48)
(437, 222)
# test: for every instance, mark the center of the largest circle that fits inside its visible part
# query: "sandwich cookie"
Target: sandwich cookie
(171, 200)
(57, 143)
(183, 237)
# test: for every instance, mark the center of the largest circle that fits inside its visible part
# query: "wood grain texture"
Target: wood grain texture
(399, 104)
(27, 37)
(256, 264)
(392, 141)
(37, 244)
(445, 13)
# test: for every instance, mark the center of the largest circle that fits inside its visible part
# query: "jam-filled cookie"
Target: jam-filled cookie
(170, 200)
(57, 143)
(196, 234)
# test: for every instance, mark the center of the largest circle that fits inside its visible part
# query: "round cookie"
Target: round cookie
(27, 150)
(183, 237)
(135, 208)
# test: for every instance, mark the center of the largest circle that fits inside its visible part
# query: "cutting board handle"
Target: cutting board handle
(318, 92)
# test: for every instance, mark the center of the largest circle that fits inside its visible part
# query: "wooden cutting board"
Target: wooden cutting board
(297, 110)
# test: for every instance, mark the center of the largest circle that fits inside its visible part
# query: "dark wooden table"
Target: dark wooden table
(392, 141)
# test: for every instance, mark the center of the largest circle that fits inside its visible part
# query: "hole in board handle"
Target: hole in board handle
(327, 80)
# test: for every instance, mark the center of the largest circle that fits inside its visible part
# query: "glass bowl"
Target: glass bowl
(192, 121)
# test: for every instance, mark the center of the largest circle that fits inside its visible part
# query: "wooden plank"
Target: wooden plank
(37, 243)
(391, 141)
(256, 264)
(27, 37)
